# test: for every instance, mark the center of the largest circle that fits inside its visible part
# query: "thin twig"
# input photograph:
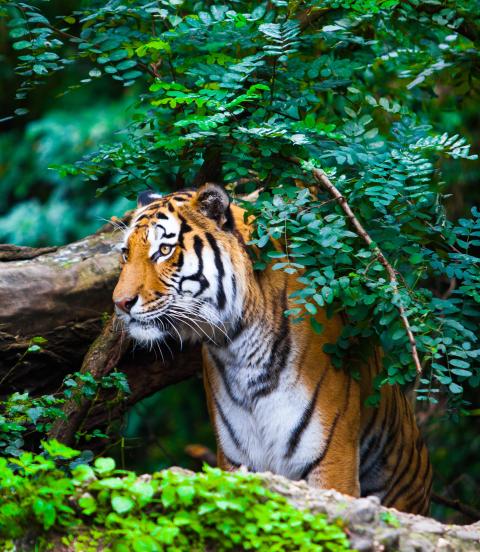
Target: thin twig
(455, 504)
(324, 181)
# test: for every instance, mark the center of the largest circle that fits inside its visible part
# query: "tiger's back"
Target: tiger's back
(275, 400)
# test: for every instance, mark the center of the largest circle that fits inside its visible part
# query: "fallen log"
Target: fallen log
(59, 295)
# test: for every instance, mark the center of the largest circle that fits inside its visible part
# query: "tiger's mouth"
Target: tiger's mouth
(146, 331)
(173, 322)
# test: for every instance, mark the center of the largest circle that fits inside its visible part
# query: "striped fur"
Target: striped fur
(274, 398)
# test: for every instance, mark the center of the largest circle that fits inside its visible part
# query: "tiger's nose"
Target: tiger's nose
(126, 303)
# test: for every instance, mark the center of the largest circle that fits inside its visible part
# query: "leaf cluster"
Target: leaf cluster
(100, 507)
(25, 418)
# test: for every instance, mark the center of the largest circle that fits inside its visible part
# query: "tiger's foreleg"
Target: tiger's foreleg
(337, 470)
(337, 464)
(225, 463)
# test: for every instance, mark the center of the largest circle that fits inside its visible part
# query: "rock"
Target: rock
(428, 526)
(465, 534)
(390, 538)
(417, 543)
(444, 546)
(363, 510)
(362, 543)
(367, 522)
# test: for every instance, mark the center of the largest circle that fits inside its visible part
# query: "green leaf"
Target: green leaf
(59, 450)
(186, 493)
(317, 327)
(459, 363)
(34, 349)
(21, 44)
(88, 504)
(40, 69)
(45, 512)
(104, 465)
(454, 388)
(460, 372)
(122, 504)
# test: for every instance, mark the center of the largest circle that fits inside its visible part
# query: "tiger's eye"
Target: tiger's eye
(165, 249)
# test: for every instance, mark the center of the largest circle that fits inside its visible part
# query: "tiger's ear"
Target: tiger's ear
(147, 197)
(214, 202)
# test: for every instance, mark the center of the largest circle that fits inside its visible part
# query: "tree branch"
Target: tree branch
(455, 504)
(102, 357)
(211, 169)
(324, 181)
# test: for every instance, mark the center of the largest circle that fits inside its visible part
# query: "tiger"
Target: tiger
(275, 400)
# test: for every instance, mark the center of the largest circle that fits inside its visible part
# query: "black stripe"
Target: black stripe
(309, 467)
(179, 262)
(161, 216)
(297, 432)
(263, 342)
(198, 276)
(422, 480)
(277, 360)
(184, 228)
(227, 424)
(417, 505)
(142, 217)
(318, 460)
(236, 330)
(387, 484)
(373, 445)
(220, 366)
(402, 474)
(389, 444)
(221, 299)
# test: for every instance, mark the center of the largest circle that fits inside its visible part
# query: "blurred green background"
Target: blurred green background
(38, 207)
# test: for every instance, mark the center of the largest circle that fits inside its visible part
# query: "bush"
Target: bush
(91, 507)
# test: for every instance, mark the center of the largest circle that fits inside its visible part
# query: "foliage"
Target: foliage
(347, 87)
(90, 507)
(59, 213)
(23, 417)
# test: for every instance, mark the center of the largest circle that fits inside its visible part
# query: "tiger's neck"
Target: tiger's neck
(257, 352)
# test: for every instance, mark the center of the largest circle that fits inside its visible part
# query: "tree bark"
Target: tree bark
(60, 295)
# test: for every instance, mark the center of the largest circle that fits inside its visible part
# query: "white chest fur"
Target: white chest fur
(261, 429)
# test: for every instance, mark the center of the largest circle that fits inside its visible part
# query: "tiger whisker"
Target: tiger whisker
(202, 318)
(178, 333)
(182, 317)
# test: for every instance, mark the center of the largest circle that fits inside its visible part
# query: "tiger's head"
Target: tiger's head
(185, 267)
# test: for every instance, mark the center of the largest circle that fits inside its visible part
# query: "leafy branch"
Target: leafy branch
(322, 179)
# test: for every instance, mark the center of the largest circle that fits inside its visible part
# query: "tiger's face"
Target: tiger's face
(184, 267)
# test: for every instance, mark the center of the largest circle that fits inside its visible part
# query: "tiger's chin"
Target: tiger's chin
(145, 333)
